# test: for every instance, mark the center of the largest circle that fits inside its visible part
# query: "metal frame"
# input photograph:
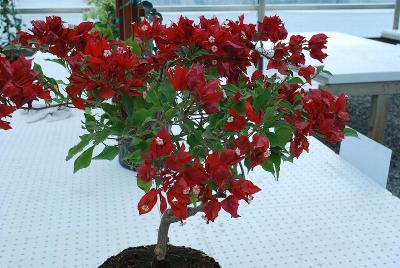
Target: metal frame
(396, 16)
(221, 8)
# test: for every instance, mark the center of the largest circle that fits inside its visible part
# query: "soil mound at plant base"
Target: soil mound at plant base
(178, 257)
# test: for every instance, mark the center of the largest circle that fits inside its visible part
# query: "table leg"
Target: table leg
(377, 121)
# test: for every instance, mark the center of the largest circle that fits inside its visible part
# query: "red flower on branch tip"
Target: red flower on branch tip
(178, 203)
(178, 160)
(177, 77)
(218, 168)
(5, 111)
(230, 205)
(273, 29)
(259, 150)
(316, 43)
(148, 201)
(211, 210)
(146, 172)
(161, 145)
(252, 115)
(307, 72)
(243, 189)
(326, 114)
(235, 122)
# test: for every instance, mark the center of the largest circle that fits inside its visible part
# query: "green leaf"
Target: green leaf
(276, 159)
(287, 158)
(284, 135)
(260, 102)
(199, 53)
(152, 96)
(268, 166)
(273, 139)
(108, 153)
(349, 132)
(84, 160)
(134, 46)
(194, 138)
(85, 139)
(269, 117)
(139, 116)
(59, 61)
(230, 89)
(127, 103)
(90, 122)
(273, 164)
(286, 105)
(295, 80)
(320, 69)
(37, 67)
(102, 135)
(168, 93)
(145, 186)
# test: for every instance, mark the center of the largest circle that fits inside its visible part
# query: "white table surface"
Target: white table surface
(353, 59)
(321, 213)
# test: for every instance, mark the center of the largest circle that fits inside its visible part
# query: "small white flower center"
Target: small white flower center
(214, 49)
(267, 153)
(145, 28)
(230, 119)
(186, 190)
(174, 200)
(237, 151)
(243, 35)
(196, 189)
(107, 53)
(145, 208)
(250, 198)
(159, 141)
(214, 62)
(211, 39)
(121, 50)
(225, 25)
(144, 94)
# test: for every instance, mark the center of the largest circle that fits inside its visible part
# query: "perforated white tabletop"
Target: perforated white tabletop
(321, 213)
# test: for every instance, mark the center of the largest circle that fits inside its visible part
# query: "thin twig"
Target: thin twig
(242, 169)
(45, 107)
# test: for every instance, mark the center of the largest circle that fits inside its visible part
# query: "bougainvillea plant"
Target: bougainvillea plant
(186, 99)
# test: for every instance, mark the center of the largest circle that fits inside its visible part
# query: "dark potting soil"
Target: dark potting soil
(177, 257)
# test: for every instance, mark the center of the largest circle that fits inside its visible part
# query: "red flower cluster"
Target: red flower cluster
(106, 70)
(5, 111)
(236, 121)
(326, 115)
(206, 93)
(101, 68)
(272, 29)
(228, 45)
(316, 43)
(307, 72)
(18, 85)
(53, 36)
(184, 179)
(292, 53)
